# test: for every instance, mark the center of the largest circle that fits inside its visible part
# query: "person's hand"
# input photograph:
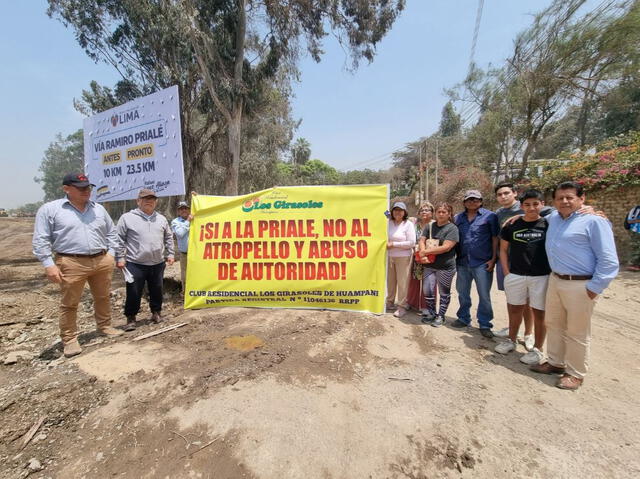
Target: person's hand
(121, 264)
(511, 220)
(193, 193)
(190, 218)
(389, 244)
(490, 264)
(53, 274)
(170, 260)
(590, 210)
(591, 294)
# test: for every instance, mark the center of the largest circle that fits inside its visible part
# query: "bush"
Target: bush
(615, 163)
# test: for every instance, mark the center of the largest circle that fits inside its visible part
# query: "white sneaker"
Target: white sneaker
(502, 333)
(529, 342)
(505, 347)
(400, 312)
(534, 356)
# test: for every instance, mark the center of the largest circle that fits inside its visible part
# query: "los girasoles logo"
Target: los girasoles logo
(256, 204)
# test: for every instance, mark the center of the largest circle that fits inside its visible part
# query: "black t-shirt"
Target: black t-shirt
(527, 256)
(446, 232)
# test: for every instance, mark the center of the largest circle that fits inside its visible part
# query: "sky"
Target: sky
(352, 120)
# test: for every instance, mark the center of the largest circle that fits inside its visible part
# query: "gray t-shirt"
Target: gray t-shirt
(446, 232)
(505, 213)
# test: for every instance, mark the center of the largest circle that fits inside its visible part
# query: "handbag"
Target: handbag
(430, 243)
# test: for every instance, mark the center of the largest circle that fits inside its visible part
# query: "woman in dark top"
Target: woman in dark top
(442, 270)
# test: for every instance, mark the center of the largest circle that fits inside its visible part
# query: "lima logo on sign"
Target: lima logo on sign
(124, 117)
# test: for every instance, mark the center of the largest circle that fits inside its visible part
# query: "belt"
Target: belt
(574, 277)
(74, 255)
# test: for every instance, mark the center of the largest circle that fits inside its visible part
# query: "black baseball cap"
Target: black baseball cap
(76, 179)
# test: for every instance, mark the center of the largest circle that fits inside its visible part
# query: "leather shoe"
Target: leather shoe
(109, 331)
(131, 323)
(155, 317)
(546, 368)
(72, 348)
(569, 382)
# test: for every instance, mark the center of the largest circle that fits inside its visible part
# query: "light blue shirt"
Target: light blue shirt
(61, 228)
(180, 227)
(582, 245)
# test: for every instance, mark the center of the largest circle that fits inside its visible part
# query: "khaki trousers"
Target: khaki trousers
(183, 269)
(398, 268)
(568, 313)
(76, 272)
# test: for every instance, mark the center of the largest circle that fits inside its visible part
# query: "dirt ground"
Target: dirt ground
(257, 393)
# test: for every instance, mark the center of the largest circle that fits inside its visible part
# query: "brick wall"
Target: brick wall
(616, 204)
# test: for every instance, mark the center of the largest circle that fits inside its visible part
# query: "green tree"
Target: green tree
(450, 121)
(222, 53)
(64, 155)
(300, 151)
(29, 209)
(316, 172)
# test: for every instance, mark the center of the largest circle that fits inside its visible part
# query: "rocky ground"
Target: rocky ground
(258, 393)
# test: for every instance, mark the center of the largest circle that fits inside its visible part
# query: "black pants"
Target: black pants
(152, 275)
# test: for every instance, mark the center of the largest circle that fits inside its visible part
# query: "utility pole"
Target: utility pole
(419, 195)
(426, 177)
(437, 159)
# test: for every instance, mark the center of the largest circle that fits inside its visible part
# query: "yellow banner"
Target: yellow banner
(290, 247)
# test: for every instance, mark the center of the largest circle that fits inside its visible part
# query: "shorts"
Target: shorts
(519, 289)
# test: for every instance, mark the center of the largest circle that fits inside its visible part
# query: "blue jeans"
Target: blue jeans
(483, 279)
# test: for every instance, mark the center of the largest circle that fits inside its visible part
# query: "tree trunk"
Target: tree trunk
(234, 129)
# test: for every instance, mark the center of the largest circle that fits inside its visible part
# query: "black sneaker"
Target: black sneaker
(459, 324)
(487, 333)
(428, 317)
(439, 321)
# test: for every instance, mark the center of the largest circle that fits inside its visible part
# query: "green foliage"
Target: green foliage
(226, 56)
(615, 163)
(64, 155)
(450, 124)
(28, 209)
(300, 151)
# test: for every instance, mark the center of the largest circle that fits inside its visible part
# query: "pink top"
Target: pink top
(403, 238)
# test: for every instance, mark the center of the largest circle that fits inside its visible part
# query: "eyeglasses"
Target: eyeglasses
(83, 188)
(426, 211)
(473, 199)
(149, 198)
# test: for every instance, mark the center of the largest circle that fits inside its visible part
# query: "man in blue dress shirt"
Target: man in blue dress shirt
(82, 236)
(477, 253)
(582, 255)
(180, 227)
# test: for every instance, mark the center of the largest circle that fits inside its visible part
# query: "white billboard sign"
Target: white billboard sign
(136, 145)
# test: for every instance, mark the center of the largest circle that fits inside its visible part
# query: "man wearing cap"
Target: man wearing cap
(82, 236)
(145, 240)
(583, 259)
(180, 227)
(477, 253)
